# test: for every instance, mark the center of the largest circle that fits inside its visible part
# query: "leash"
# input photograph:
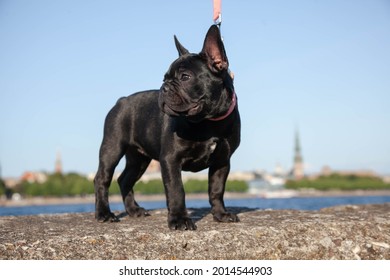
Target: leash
(217, 18)
(217, 15)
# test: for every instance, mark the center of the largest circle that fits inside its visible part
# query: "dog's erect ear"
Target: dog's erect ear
(214, 50)
(182, 50)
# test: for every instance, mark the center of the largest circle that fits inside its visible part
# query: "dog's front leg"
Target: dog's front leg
(217, 181)
(177, 213)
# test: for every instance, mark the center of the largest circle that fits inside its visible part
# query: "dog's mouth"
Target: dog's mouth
(175, 104)
(172, 110)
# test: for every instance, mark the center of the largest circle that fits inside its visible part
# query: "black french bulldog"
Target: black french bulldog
(191, 123)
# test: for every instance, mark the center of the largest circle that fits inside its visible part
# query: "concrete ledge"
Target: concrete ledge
(344, 232)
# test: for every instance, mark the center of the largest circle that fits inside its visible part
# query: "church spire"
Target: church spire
(58, 164)
(298, 160)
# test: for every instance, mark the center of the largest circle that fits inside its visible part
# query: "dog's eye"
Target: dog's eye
(184, 77)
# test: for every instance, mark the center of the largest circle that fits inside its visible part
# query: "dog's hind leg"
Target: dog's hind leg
(136, 165)
(110, 155)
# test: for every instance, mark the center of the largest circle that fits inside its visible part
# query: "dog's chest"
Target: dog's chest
(199, 155)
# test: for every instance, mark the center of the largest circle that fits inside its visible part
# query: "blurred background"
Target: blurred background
(312, 79)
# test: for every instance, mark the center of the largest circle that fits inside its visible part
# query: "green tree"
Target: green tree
(339, 182)
(74, 184)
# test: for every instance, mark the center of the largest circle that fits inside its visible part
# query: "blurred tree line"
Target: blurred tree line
(2, 187)
(73, 184)
(339, 182)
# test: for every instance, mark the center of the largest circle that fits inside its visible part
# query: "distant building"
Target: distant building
(34, 177)
(265, 183)
(58, 164)
(279, 171)
(153, 167)
(11, 182)
(297, 170)
(327, 171)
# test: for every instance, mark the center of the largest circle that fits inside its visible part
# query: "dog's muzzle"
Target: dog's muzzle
(174, 104)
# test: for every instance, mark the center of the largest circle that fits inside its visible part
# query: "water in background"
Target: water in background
(298, 203)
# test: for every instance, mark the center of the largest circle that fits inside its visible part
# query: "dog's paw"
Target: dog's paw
(181, 223)
(226, 217)
(137, 212)
(106, 217)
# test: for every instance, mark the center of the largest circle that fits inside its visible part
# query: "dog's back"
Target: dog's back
(122, 124)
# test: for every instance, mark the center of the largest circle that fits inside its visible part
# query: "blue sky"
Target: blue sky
(320, 66)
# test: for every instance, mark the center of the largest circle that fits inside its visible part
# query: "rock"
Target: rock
(342, 232)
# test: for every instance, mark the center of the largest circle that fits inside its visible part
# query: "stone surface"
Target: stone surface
(343, 232)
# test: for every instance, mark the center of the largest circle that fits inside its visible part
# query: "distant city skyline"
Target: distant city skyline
(295, 170)
(321, 66)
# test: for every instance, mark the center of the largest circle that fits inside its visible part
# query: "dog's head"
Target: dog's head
(198, 86)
